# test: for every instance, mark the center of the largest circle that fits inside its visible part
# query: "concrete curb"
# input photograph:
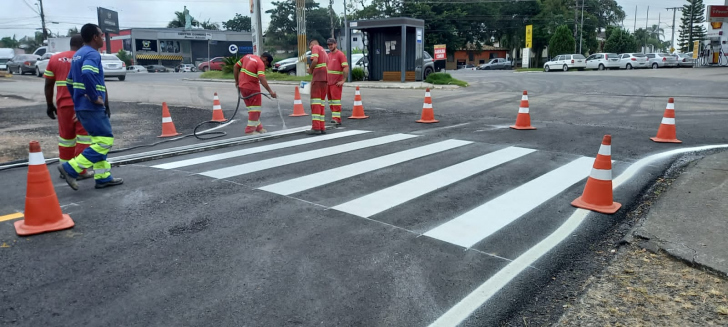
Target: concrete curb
(367, 85)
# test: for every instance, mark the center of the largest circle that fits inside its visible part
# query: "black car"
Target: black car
(22, 64)
(156, 69)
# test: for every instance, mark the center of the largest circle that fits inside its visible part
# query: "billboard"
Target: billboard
(108, 20)
(440, 52)
(146, 45)
(717, 14)
(529, 36)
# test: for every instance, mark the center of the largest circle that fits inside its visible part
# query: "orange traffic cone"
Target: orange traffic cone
(168, 129)
(217, 114)
(523, 121)
(666, 132)
(42, 211)
(298, 105)
(597, 194)
(358, 111)
(428, 115)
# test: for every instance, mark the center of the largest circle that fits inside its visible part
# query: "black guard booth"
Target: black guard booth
(393, 48)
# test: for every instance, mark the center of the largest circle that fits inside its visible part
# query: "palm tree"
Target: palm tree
(210, 26)
(180, 21)
(656, 32)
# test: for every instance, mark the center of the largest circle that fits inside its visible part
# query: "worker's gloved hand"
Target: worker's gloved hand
(108, 112)
(51, 111)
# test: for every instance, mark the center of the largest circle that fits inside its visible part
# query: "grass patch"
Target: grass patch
(444, 79)
(529, 69)
(271, 76)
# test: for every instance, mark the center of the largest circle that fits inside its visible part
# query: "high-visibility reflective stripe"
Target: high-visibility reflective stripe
(66, 142)
(344, 64)
(247, 72)
(83, 139)
(321, 65)
(335, 102)
(48, 73)
(358, 103)
(427, 106)
(670, 106)
(297, 102)
(260, 72)
(601, 174)
(668, 121)
(101, 88)
(251, 107)
(90, 68)
(315, 55)
(60, 161)
(334, 72)
(605, 150)
(60, 83)
(217, 107)
(36, 158)
(522, 110)
(166, 119)
(253, 123)
(102, 170)
(254, 110)
(105, 146)
(336, 114)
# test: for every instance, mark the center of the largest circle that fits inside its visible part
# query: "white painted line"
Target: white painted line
(390, 197)
(265, 148)
(439, 128)
(296, 185)
(463, 309)
(303, 156)
(481, 222)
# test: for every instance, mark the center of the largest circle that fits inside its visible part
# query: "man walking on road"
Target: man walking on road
(85, 83)
(338, 69)
(252, 68)
(72, 138)
(318, 88)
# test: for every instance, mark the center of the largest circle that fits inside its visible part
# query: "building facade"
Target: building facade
(462, 57)
(174, 46)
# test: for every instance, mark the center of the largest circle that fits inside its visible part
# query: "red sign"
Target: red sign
(440, 52)
(717, 13)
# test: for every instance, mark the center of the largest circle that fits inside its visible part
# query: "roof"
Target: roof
(484, 47)
(386, 22)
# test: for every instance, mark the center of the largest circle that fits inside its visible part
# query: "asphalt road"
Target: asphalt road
(385, 222)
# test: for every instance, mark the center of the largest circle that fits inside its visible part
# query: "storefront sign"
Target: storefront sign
(717, 14)
(194, 35)
(440, 52)
(146, 45)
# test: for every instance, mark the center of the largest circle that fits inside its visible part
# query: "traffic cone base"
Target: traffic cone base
(298, 110)
(608, 209)
(217, 114)
(358, 110)
(660, 140)
(168, 129)
(23, 230)
(520, 127)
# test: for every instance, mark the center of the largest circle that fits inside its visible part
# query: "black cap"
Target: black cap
(331, 40)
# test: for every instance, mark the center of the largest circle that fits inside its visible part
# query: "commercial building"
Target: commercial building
(173, 46)
(474, 56)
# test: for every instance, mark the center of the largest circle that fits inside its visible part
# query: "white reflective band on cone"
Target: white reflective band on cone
(601, 174)
(522, 110)
(427, 95)
(217, 107)
(357, 93)
(166, 120)
(525, 97)
(427, 106)
(36, 158)
(668, 121)
(297, 102)
(357, 103)
(605, 150)
(670, 106)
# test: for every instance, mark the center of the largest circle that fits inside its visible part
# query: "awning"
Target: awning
(156, 57)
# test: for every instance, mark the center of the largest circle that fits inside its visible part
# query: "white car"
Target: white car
(632, 61)
(136, 69)
(113, 66)
(565, 62)
(42, 64)
(661, 60)
(602, 61)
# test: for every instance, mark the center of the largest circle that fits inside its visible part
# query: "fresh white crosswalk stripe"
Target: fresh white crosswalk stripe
(479, 223)
(336, 174)
(303, 156)
(390, 197)
(259, 149)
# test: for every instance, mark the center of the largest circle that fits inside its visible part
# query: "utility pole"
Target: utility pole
(635, 20)
(576, 21)
(301, 33)
(674, 11)
(581, 37)
(347, 43)
(692, 9)
(42, 21)
(331, 15)
(647, 23)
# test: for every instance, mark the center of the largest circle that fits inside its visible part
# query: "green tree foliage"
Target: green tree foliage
(73, 31)
(179, 21)
(228, 64)
(8, 42)
(125, 57)
(239, 24)
(694, 9)
(620, 41)
(210, 26)
(357, 74)
(562, 41)
(282, 27)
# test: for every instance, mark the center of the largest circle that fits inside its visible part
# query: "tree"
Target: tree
(561, 42)
(30, 44)
(656, 32)
(73, 31)
(179, 21)
(125, 57)
(210, 26)
(8, 42)
(282, 29)
(620, 41)
(239, 24)
(693, 13)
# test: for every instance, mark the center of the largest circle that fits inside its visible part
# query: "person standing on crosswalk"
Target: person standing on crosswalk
(338, 69)
(252, 68)
(318, 87)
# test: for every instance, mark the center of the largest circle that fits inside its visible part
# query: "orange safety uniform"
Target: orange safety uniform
(72, 138)
(251, 67)
(335, 66)
(318, 89)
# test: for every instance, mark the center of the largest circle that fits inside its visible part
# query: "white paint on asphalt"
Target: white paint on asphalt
(477, 224)
(390, 197)
(439, 128)
(303, 156)
(463, 309)
(296, 185)
(265, 148)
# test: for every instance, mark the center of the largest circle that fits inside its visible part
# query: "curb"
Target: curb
(420, 85)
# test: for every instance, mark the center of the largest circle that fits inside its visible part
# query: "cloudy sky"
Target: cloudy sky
(21, 19)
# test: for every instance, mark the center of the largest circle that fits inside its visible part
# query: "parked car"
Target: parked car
(602, 61)
(184, 68)
(5, 55)
(136, 69)
(428, 64)
(42, 64)
(284, 62)
(685, 60)
(660, 60)
(497, 63)
(156, 69)
(214, 64)
(633, 60)
(565, 62)
(22, 64)
(113, 66)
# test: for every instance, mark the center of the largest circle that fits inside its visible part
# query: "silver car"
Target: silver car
(113, 66)
(497, 63)
(632, 61)
(21, 64)
(660, 60)
(685, 60)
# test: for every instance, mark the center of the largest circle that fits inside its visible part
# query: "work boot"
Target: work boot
(69, 179)
(86, 174)
(252, 133)
(313, 132)
(112, 182)
(262, 131)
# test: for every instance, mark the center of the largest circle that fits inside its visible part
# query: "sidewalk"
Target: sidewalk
(363, 84)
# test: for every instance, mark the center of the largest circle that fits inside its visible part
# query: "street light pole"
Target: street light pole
(581, 37)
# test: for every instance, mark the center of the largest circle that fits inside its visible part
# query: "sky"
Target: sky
(22, 18)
